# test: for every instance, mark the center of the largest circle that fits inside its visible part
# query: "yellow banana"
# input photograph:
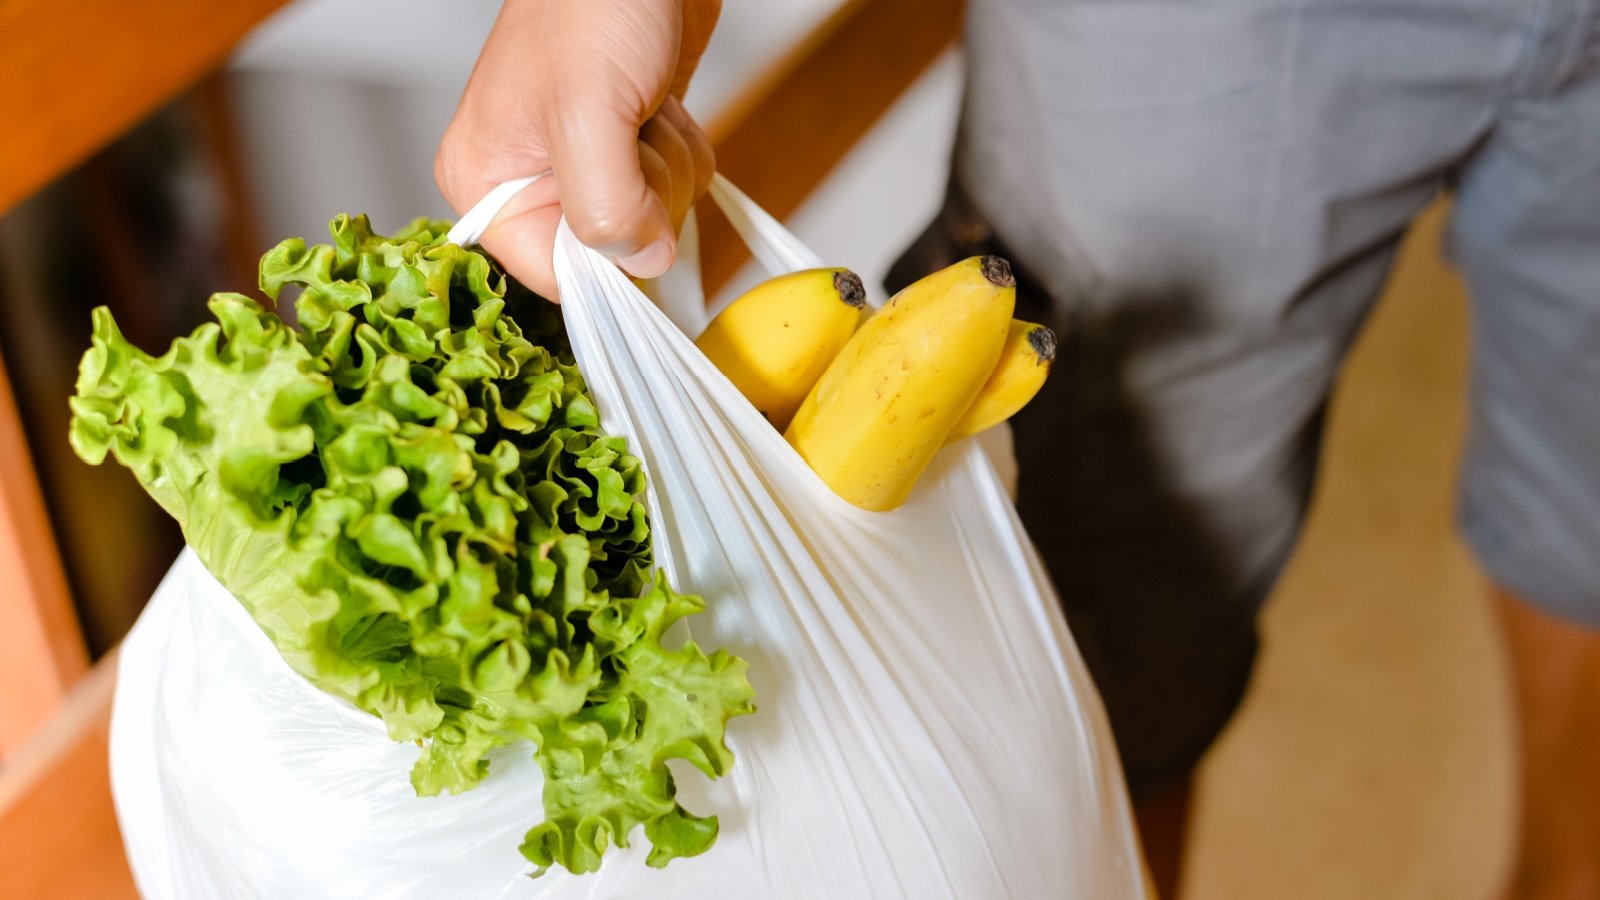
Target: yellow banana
(776, 340)
(1024, 363)
(882, 409)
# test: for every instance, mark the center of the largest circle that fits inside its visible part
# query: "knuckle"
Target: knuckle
(604, 228)
(611, 225)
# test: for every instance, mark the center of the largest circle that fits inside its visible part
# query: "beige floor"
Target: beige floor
(1374, 757)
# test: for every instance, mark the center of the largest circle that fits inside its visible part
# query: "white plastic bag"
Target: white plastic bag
(925, 728)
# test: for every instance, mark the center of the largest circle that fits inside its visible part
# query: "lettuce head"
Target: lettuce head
(412, 496)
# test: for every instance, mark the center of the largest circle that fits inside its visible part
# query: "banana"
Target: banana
(776, 340)
(881, 411)
(1024, 364)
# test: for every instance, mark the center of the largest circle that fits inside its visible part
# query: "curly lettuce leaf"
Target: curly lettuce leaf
(412, 497)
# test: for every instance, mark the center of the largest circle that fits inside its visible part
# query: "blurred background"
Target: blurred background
(1373, 759)
(329, 106)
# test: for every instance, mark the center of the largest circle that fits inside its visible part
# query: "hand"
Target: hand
(591, 91)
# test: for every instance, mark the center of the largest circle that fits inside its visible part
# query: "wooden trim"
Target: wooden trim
(784, 134)
(41, 647)
(75, 74)
(57, 824)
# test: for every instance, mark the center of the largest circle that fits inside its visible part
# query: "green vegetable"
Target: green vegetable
(412, 497)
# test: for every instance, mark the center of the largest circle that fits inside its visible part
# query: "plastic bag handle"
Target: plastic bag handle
(774, 246)
(471, 226)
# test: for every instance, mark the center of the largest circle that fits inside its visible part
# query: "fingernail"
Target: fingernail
(650, 262)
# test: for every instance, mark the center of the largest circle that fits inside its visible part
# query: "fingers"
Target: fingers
(672, 163)
(629, 205)
(702, 158)
(675, 159)
(522, 235)
(600, 176)
(666, 144)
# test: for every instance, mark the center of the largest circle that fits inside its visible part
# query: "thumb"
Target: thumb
(604, 193)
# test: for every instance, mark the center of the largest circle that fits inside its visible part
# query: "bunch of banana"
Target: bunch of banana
(868, 407)
(884, 407)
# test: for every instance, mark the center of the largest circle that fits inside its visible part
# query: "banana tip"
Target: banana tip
(850, 289)
(1043, 342)
(998, 271)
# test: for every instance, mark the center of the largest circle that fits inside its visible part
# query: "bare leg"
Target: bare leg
(1163, 823)
(1556, 669)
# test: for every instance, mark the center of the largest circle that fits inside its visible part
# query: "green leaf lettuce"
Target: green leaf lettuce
(411, 495)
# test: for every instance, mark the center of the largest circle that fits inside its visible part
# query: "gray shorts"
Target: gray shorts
(1205, 197)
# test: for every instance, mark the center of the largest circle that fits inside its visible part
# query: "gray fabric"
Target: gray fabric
(1210, 193)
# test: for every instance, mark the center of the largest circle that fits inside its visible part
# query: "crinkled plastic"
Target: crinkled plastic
(925, 727)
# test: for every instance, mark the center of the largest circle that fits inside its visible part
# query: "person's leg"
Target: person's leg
(1526, 232)
(1204, 198)
(1555, 667)
(1163, 823)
